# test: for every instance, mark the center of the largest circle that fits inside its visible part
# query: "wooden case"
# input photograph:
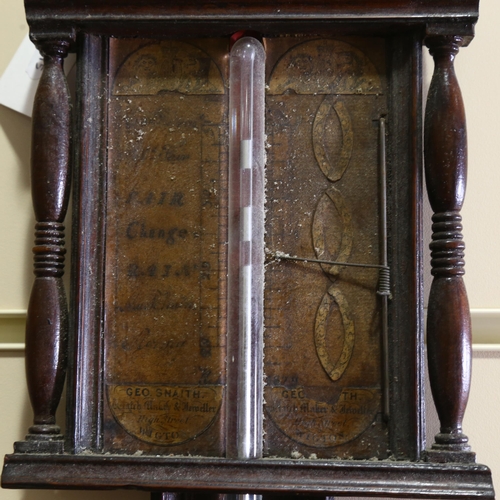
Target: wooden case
(144, 346)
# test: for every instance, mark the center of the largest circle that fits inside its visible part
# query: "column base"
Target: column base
(445, 454)
(39, 443)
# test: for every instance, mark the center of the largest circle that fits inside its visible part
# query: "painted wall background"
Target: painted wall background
(478, 71)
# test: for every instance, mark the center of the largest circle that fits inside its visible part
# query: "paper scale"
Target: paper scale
(165, 329)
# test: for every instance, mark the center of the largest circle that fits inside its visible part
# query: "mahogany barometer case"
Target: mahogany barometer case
(245, 309)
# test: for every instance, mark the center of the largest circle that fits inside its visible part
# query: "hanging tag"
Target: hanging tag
(19, 82)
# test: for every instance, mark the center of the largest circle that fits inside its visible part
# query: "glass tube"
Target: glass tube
(246, 245)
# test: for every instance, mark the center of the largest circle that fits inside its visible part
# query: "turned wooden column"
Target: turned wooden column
(47, 321)
(448, 321)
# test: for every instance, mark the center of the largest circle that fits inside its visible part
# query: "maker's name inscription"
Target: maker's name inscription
(319, 424)
(165, 415)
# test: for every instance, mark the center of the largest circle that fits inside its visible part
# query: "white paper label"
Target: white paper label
(19, 82)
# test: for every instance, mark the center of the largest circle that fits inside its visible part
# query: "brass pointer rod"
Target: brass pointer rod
(384, 285)
(276, 256)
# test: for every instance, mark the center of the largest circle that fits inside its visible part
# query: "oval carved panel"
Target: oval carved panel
(328, 323)
(333, 138)
(332, 231)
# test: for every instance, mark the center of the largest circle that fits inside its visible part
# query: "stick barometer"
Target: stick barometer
(245, 310)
